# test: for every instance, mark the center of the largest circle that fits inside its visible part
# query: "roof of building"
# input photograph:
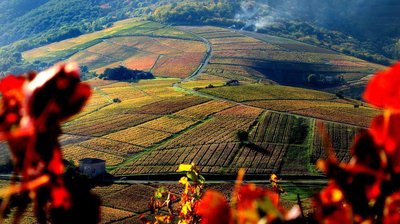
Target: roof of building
(91, 160)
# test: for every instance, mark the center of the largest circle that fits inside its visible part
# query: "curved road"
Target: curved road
(202, 65)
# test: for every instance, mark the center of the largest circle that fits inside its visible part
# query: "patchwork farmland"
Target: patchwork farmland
(188, 113)
(249, 57)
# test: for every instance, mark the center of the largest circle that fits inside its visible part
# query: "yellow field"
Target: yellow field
(201, 111)
(202, 83)
(75, 153)
(76, 43)
(262, 92)
(139, 136)
(171, 124)
(111, 214)
(111, 146)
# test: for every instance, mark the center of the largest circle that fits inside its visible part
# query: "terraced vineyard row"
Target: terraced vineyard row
(210, 157)
(281, 128)
(201, 111)
(264, 159)
(75, 153)
(222, 127)
(170, 105)
(341, 138)
(100, 126)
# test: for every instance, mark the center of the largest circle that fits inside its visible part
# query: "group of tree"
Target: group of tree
(319, 80)
(122, 73)
(217, 12)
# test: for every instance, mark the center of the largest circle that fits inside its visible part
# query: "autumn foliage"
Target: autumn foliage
(34, 105)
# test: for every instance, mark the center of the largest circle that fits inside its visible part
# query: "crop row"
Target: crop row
(240, 112)
(265, 159)
(213, 131)
(170, 105)
(171, 124)
(109, 215)
(280, 128)
(142, 61)
(263, 92)
(59, 50)
(143, 44)
(178, 65)
(104, 124)
(228, 34)
(203, 29)
(242, 74)
(141, 137)
(203, 110)
(361, 116)
(261, 46)
(109, 190)
(110, 146)
(304, 57)
(233, 40)
(221, 128)
(75, 153)
(137, 195)
(296, 105)
(204, 83)
(95, 82)
(341, 138)
(123, 93)
(209, 157)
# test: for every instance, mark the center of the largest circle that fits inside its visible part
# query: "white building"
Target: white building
(92, 167)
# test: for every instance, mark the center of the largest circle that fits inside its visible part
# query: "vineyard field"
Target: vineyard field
(189, 113)
(341, 138)
(254, 92)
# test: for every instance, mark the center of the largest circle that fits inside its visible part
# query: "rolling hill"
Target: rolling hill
(158, 124)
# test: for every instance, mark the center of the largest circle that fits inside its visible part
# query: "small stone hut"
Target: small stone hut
(92, 167)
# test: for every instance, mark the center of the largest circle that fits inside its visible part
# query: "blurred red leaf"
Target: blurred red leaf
(383, 89)
(213, 208)
(33, 107)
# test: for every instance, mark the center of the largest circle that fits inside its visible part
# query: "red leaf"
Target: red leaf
(60, 197)
(386, 133)
(383, 89)
(213, 208)
(392, 208)
(11, 83)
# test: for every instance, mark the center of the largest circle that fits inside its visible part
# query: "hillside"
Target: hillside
(158, 124)
(38, 23)
(135, 44)
(249, 56)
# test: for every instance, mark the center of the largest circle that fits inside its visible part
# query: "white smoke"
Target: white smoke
(256, 15)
